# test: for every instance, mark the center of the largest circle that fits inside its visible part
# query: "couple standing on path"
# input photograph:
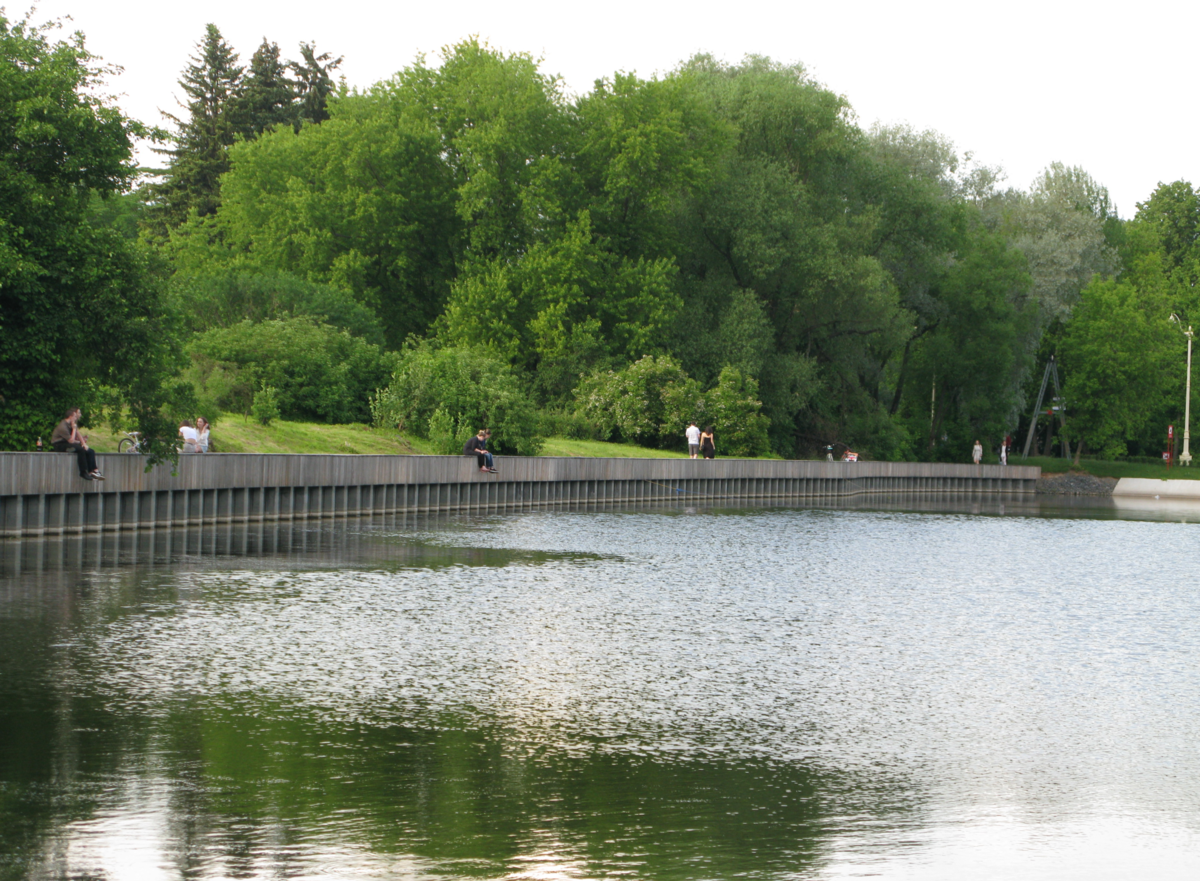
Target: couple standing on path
(700, 441)
(977, 451)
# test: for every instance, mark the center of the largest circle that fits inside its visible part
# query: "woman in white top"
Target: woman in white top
(201, 434)
(189, 436)
(977, 452)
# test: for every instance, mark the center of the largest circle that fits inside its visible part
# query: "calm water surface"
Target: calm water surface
(1000, 691)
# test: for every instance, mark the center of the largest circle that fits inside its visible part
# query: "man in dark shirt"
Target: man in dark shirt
(477, 447)
(66, 437)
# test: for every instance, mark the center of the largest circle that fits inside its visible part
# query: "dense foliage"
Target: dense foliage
(723, 243)
(448, 394)
(81, 316)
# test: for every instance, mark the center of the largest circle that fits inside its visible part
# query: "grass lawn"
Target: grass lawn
(1108, 468)
(237, 435)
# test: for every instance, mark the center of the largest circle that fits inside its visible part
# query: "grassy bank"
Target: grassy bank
(1109, 468)
(238, 435)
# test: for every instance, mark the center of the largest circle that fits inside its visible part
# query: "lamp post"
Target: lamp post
(1185, 457)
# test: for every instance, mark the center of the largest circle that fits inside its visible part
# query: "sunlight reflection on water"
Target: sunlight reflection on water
(774, 693)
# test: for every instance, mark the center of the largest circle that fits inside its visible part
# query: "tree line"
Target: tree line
(467, 243)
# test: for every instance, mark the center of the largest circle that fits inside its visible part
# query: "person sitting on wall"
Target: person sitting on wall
(477, 447)
(201, 434)
(487, 438)
(190, 437)
(66, 437)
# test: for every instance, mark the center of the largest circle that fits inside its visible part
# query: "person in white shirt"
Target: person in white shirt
(201, 434)
(693, 439)
(189, 436)
(977, 452)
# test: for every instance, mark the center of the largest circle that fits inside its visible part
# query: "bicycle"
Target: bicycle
(131, 443)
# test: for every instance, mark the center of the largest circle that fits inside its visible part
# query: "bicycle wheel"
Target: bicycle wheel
(127, 445)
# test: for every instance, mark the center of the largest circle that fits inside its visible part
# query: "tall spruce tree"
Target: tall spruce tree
(314, 82)
(268, 94)
(212, 84)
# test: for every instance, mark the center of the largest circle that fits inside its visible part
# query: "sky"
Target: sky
(1019, 84)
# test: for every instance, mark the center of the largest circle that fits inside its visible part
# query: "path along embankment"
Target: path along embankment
(41, 493)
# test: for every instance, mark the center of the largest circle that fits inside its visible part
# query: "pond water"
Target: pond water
(991, 689)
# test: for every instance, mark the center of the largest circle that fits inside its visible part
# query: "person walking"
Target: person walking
(66, 438)
(977, 452)
(693, 439)
(1004, 453)
(707, 448)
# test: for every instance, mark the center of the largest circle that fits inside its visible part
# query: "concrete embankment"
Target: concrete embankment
(1150, 488)
(41, 493)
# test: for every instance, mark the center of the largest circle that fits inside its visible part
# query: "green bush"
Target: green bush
(571, 424)
(649, 402)
(265, 408)
(733, 409)
(652, 401)
(447, 394)
(319, 373)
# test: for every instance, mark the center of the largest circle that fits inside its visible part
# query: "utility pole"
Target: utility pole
(1185, 458)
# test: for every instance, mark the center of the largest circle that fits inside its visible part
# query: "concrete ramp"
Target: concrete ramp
(1149, 488)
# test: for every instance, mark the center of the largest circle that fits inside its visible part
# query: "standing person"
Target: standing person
(201, 434)
(977, 452)
(707, 448)
(66, 437)
(1004, 452)
(693, 439)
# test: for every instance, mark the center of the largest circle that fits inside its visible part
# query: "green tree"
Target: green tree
(1120, 359)
(81, 317)
(564, 305)
(191, 183)
(504, 134)
(267, 96)
(362, 202)
(222, 299)
(314, 83)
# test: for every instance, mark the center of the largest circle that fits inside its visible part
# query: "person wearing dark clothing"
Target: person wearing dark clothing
(66, 437)
(477, 447)
(707, 448)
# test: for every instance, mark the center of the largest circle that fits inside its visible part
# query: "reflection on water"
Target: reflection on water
(1002, 689)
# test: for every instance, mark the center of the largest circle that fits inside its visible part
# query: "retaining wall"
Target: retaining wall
(41, 493)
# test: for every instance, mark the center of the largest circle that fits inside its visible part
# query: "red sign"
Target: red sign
(1170, 431)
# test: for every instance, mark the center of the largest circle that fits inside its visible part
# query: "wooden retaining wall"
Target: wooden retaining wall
(42, 494)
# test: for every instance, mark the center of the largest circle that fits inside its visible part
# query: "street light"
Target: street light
(1186, 457)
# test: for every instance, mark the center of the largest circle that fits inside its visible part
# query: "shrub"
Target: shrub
(265, 408)
(649, 402)
(447, 394)
(733, 409)
(319, 373)
(652, 401)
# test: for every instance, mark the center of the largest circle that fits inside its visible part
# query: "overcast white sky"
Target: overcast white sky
(1109, 87)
